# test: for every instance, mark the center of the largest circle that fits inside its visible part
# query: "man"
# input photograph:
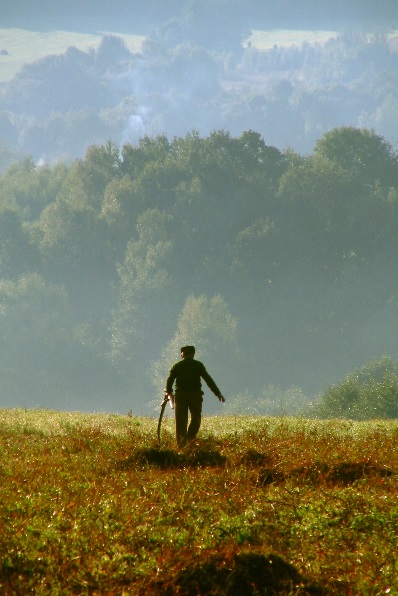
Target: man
(187, 374)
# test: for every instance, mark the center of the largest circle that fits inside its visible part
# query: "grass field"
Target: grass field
(91, 504)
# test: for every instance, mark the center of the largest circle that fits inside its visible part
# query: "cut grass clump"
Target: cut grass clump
(247, 573)
(254, 458)
(167, 458)
(344, 473)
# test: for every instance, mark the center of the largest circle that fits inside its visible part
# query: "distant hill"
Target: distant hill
(290, 75)
(22, 46)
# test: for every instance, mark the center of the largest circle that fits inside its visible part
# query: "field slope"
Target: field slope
(91, 504)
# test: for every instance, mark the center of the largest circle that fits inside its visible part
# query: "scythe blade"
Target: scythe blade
(164, 402)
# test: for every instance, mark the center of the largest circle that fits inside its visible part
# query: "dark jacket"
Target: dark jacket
(187, 374)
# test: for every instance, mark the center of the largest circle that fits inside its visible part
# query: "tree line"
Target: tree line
(280, 267)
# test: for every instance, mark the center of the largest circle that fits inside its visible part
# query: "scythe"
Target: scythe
(162, 408)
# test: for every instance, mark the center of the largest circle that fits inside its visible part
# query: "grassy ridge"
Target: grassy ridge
(90, 504)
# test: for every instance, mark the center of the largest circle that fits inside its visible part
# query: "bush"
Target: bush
(369, 392)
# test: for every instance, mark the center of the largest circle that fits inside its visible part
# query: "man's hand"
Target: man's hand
(221, 398)
(171, 397)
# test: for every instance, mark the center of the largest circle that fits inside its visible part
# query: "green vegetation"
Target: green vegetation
(280, 268)
(370, 392)
(91, 504)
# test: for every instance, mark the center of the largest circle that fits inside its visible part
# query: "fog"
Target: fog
(291, 75)
(288, 74)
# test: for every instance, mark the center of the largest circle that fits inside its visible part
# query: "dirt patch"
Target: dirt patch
(168, 459)
(246, 574)
(344, 473)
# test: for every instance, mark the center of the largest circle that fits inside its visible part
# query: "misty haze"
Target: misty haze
(222, 174)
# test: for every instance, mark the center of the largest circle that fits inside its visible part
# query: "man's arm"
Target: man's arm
(212, 385)
(170, 381)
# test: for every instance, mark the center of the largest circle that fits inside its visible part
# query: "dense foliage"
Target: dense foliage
(280, 268)
(91, 504)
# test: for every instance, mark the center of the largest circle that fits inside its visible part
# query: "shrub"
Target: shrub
(369, 392)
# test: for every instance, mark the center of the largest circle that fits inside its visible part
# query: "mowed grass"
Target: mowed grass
(92, 504)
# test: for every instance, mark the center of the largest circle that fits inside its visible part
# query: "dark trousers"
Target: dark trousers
(187, 401)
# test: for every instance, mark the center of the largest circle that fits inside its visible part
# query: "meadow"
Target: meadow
(93, 504)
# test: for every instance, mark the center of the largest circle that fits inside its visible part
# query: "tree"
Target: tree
(28, 187)
(17, 255)
(75, 245)
(331, 213)
(317, 203)
(365, 156)
(46, 358)
(120, 209)
(112, 54)
(33, 324)
(254, 152)
(100, 166)
(67, 136)
(144, 292)
(134, 158)
(209, 326)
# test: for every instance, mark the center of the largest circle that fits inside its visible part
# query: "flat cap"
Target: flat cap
(188, 349)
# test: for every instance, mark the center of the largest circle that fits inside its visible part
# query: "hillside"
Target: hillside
(24, 47)
(111, 263)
